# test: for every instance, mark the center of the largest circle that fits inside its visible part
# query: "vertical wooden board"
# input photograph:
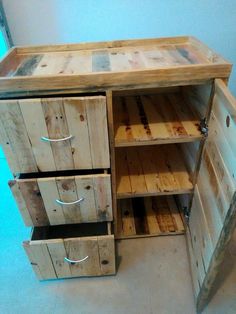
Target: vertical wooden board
(79, 248)
(102, 195)
(177, 167)
(149, 169)
(193, 266)
(34, 202)
(40, 258)
(85, 189)
(36, 127)
(8, 149)
(155, 118)
(68, 193)
(189, 120)
(214, 220)
(217, 137)
(200, 219)
(136, 174)
(165, 179)
(175, 213)
(106, 248)
(31, 257)
(57, 253)
(98, 133)
(75, 110)
(197, 245)
(219, 195)
(136, 118)
(57, 129)
(153, 226)
(127, 214)
(122, 173)
(49, 193)
(14, 126)
(20, 202)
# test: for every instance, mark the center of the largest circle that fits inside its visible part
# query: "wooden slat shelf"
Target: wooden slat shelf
(154, 119)
(149, 216)
(151, 170)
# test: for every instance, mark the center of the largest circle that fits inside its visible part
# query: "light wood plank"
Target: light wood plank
(128, 225)
(75, 110)
(57, 128)
(40, 257)
(57, 253)
(36, 127)
(67, 191)
(151, 217)
(98, 133)
(106, 247)
(49, 192)
(14, 126)
(20, 202)
(34, 202)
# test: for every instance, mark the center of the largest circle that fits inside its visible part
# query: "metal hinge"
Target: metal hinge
(203, 127)
(186, 213)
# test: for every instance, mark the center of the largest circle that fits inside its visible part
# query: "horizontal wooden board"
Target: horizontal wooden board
(151, 170)
(154, 119)
(150, 216)
(109, 64)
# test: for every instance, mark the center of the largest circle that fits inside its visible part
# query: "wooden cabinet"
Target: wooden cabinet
(135, 136)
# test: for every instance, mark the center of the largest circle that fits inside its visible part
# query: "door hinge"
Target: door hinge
(203, 127)
(186, 212)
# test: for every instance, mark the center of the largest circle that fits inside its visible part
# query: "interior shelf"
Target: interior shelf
(154, 119)
(151, 170)
(150, 216)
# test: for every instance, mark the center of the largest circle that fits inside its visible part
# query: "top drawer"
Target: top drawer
(50, 134)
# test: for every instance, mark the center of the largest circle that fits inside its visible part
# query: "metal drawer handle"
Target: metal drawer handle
(75, 261)
(46, 139)
(70, 203)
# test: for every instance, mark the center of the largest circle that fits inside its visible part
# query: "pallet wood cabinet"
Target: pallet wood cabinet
(135, 137)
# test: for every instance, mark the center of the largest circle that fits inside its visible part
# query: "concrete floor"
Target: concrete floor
(153, 276)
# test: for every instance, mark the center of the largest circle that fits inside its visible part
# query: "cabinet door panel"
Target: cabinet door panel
(213, 213)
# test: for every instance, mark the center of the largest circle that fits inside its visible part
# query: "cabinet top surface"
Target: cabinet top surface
(110, 65)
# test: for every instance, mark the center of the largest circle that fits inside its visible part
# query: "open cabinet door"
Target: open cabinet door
(213, 213)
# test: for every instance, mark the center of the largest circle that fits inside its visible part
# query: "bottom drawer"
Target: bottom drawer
(71, 251)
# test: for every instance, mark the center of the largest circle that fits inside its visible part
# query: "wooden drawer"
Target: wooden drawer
(63, 200)
(50, 134)
(71, 251)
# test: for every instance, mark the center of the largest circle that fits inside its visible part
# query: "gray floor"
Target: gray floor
(153, 276)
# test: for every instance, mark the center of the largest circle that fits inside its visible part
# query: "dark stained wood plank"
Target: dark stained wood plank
(28, 66)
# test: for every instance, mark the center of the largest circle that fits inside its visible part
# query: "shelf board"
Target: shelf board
(154, 119)
(151, 170)
(150, 216)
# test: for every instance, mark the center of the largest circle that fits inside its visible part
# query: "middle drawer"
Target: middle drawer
(63, 199)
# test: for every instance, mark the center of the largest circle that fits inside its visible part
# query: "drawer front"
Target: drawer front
(64, 200)
(55, 133)
(73, 257)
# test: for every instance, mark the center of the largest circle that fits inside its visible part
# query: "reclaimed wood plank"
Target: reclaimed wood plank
(106, 248)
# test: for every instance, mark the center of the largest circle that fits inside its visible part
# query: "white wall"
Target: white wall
(59, 21)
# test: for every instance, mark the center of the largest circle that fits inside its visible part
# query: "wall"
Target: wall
(59, 21)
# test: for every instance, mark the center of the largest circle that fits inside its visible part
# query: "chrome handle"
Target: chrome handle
(75, 261)
(70, 203)
(46, 139)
